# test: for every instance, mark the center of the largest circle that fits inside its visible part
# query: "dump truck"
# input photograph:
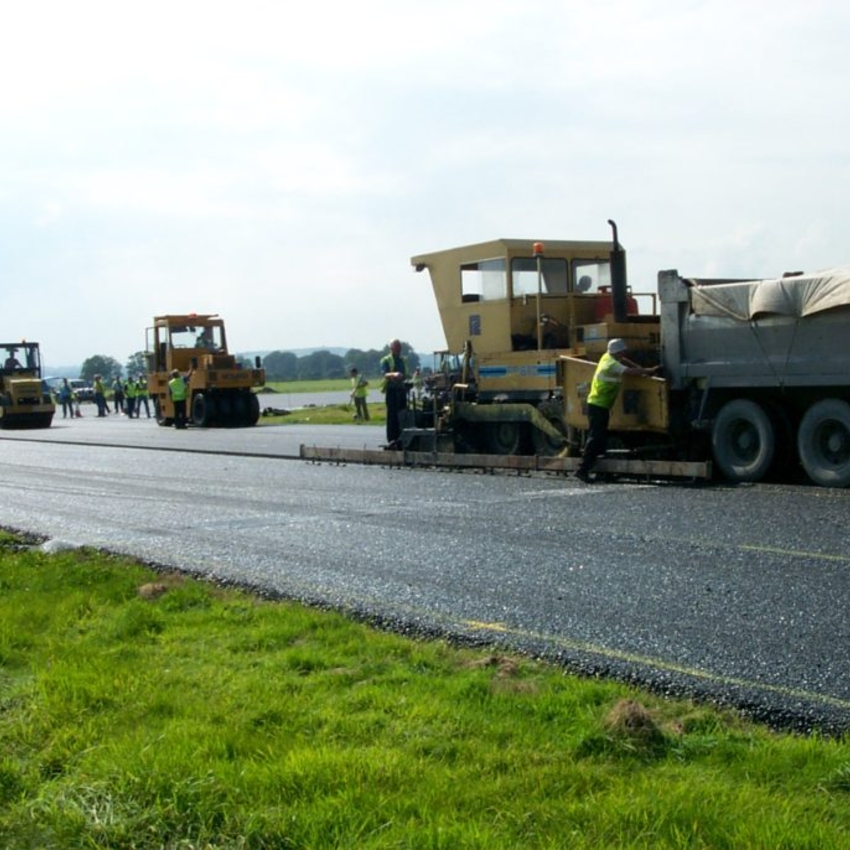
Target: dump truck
(220, 389)
(756, 373)
(25, 399)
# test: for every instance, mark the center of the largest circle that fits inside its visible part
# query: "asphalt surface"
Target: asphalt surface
(733, 595)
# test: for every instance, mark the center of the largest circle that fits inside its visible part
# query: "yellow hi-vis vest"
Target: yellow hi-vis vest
(606, 382)
(388, 364)
(177, 388)
(359, 387)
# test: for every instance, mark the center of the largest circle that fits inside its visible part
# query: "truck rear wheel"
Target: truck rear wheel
(743, 440)
(823, 442)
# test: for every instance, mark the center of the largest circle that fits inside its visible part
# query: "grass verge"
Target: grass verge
(139, 710)
(331, 414)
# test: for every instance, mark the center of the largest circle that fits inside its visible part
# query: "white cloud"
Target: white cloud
(279, 162)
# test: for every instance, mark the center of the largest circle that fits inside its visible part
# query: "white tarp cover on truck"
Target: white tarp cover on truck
(800, 295)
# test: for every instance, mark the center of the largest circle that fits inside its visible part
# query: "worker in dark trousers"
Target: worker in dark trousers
(395, 372)
(604, 389)
(178, 389)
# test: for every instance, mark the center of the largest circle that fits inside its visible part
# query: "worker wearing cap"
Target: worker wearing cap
(604, 389)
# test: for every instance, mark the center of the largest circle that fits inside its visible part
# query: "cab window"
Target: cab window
(524, 277)
(483, 281)
(591, 275)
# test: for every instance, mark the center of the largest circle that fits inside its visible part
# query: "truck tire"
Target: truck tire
(823, 443)
(743, 440)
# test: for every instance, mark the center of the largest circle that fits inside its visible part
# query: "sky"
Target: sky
(279, 163)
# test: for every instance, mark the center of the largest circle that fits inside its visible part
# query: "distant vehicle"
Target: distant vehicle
(83, 390)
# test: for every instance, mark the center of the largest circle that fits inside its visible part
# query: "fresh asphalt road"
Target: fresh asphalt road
(732, 594)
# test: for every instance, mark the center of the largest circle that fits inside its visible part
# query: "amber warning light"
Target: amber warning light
(538, 248)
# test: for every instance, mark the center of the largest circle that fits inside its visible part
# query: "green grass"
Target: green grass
(330, 414)
(322, 386)
(146, 711)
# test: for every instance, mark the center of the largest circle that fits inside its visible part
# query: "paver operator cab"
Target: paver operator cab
(25, 400)
(220, 390)
(514, 308)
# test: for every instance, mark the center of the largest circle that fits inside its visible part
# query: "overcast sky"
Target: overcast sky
(280, 162)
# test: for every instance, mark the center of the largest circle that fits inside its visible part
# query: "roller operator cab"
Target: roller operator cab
(25, 399)
(220, 389)
(513, 309)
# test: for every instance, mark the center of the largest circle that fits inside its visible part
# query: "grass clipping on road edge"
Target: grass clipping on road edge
(146, 710)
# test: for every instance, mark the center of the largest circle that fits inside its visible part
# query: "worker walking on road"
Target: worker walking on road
(395, 372)
(118, 394)
(359, 393)
(142, 396)
(66, 398)
(604, 389)
(100, 396)
(178, 389)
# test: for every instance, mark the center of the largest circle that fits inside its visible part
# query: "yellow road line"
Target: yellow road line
(795, 553)
(660, 664)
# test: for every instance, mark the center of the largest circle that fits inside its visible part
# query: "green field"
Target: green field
(142, 710)
(331, 414)
(326, 386)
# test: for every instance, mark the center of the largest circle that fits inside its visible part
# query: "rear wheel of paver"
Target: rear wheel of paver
(503, 438)
(545, 444)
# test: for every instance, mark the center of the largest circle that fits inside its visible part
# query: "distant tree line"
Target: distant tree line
(279, 365)
(286, 366)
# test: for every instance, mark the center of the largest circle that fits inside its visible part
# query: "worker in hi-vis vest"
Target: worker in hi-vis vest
(178, 389)
(142, 396)
(604, 389)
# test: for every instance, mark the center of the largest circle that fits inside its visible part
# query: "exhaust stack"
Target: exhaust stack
(619, 286)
